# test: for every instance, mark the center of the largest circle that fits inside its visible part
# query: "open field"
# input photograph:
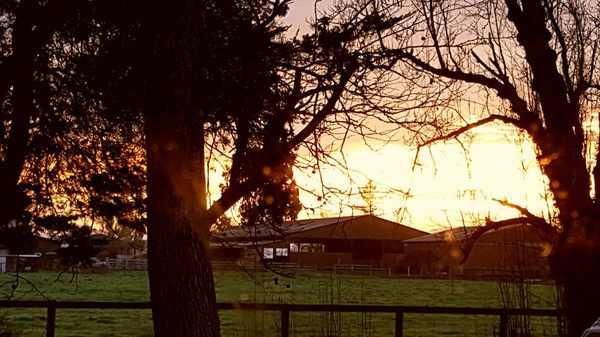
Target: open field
(270, 288)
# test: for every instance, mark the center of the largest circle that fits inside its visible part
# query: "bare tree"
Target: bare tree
(532, 65)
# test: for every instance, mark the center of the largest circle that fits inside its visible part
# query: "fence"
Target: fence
(361, 268)
(285, 311)
(295, 267)
(124, 264)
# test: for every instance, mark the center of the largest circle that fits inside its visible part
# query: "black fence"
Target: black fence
(285, 310)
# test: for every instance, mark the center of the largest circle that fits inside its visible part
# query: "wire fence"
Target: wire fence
(122, 264)
(116, 319)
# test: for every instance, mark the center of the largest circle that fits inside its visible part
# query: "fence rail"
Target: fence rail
(361, 268)
(124, 264)
(286, 309)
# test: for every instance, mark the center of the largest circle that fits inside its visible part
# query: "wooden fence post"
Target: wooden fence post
(51, 319)
(285, 322)
(399, 326)
(503, 325)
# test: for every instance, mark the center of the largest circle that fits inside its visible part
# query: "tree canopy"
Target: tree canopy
(70, 138)
(532, 65)
(108, 109)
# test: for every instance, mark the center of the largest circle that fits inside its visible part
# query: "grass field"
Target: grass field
(270, 288)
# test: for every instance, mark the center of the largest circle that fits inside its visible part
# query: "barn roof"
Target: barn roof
(261, 232)
(516, 232)
(452, 234)
(243, 244)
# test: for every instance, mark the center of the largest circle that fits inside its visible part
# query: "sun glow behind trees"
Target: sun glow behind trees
(446, 185)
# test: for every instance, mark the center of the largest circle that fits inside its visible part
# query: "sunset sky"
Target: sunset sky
(445, 188)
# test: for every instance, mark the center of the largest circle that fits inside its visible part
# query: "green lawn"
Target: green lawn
(270, 288)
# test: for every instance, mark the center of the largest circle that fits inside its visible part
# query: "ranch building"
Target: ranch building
(325, 243)
(38, 254)
(115, 248)
(517, 251)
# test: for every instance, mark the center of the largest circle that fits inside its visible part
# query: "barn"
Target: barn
(518, 251)
(38, 254)
(321, 243)
(509, 252)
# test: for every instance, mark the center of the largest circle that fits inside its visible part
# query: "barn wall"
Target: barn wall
(513, 260)
(485, 260)
(431, 258)
(362, 240)
(3, 261)
(321, 260)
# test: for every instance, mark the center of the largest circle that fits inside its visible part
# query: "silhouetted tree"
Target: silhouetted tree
(70, 137)
(221, 70)
(367, 193)
(211, 70)
(532, 65)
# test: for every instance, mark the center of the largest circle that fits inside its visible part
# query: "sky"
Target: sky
(446, 188)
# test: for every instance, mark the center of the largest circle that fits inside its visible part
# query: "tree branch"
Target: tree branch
(549, 232)
(474, 125)
(534, 220)
(487, 67)
(228, 198)
(563, 52)
(449, 73)
(326, 110)
(279, 8)
(529, 120)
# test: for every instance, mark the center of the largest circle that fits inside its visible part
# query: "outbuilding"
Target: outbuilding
(510, 252)
(324, 243)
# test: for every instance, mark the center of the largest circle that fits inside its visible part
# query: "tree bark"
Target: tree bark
(575, 266)
(12, 201)
(575, 256)
(181, 281)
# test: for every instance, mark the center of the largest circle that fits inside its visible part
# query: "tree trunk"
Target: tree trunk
(576, 256)
(12, 201)
(181, 281)
(576, 266)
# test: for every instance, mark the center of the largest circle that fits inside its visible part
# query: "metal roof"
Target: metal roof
(458, 234)
(242, 244)
(287, 228)
(452, 234)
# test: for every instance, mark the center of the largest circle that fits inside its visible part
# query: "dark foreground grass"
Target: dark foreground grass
(270, 288)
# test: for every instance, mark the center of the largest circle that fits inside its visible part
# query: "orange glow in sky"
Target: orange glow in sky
(445, 188)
